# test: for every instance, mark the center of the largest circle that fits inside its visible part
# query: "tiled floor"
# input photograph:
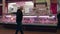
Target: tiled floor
(11, 31)
(6, 31)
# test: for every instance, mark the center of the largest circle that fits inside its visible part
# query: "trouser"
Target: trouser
(19, 28)
(58, 26)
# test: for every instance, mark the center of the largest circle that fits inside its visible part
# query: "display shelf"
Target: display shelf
(32, 20)
(34, 24)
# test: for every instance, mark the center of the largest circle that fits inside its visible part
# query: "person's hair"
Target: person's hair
(21, 7)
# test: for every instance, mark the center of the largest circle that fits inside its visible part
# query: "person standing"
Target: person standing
(58, 18)
(19, 17)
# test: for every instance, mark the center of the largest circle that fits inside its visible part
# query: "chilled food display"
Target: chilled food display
(34, 13)
(11, 19)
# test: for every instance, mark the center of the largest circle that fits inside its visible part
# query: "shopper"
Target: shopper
(19, 17)
(58, 17)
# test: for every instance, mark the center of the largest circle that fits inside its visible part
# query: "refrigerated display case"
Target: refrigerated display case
(32, 20)
(32, 15)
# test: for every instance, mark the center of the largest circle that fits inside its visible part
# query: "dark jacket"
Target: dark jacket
(19, 16)
(58, 17)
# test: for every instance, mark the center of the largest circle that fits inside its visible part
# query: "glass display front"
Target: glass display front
(32, 20)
